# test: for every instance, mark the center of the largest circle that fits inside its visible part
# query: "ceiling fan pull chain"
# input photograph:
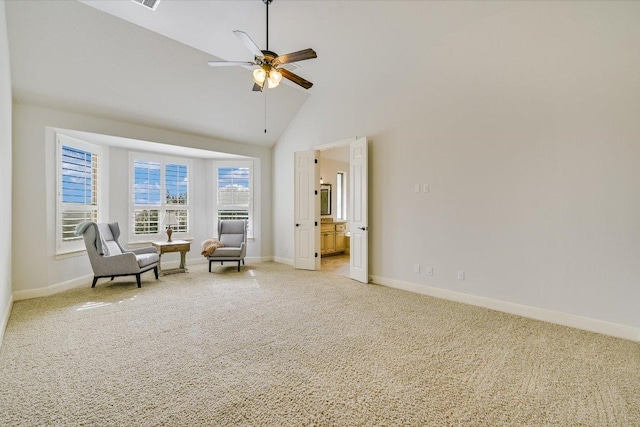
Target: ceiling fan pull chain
(265, 111)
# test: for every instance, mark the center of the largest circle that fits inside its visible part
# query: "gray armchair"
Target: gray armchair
(109, 259)
(232, 233)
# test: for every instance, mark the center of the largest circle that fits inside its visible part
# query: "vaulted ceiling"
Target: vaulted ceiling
(119, 60)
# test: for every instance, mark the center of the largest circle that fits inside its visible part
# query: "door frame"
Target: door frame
(322, 147)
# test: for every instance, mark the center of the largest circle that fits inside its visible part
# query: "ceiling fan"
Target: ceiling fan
(270, 69)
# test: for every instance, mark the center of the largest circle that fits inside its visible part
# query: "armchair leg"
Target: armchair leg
(112, 277)
(238, 266)
(242, 261)
(155, 271)
(138, 280)
(95, 280)
(210, 266)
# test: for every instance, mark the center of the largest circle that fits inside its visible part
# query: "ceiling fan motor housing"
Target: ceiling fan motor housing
(268, 56)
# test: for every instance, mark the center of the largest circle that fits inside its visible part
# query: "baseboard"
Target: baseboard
(52, 289)
(283, 260)
(564, 319)
(5, 318)
(59, 287)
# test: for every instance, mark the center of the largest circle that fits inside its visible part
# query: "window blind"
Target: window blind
(234, 193)
(79, 189)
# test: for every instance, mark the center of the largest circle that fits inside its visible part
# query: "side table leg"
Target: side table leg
(183, 255)
(160, 263)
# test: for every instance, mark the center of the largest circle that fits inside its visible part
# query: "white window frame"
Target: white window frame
(235, 164)
(77, 244)
(161, 235)
(341, 195)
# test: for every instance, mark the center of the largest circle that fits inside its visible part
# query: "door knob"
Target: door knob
(297, 225)
(363, 228)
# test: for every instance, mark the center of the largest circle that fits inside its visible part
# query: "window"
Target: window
(78, 192)
(234, 192)
(159, 185)
(341, 192)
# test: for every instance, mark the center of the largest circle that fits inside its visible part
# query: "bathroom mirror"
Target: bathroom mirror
(325, 199)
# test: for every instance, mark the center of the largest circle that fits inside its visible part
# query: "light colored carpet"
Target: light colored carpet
(272, 346)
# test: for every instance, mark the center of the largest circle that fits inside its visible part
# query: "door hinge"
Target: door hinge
(315, 192)
(316, 223)
(316, 254)
(315, 161)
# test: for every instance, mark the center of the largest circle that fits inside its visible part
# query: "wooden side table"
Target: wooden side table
(181, 246)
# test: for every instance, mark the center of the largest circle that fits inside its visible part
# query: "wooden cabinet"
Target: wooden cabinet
(340, 242)
(328, 243)
(332, 238)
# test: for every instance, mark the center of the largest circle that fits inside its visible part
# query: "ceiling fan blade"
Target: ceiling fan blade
(229, 63)
(257, 87)
(295, 78)
(250, 44)
(295, 56)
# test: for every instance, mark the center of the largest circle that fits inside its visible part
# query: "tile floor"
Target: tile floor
(337, 264)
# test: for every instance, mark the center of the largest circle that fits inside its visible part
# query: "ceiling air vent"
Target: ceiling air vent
(290, 66)
(149, 4)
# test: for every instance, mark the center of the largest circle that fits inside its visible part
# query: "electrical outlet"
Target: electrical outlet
(416, 268)
(429, 271)
(460, 275)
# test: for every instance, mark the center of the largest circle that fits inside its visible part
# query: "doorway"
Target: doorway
(334, 208)
(350, 235)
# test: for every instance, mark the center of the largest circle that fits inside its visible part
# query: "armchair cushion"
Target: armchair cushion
(226, 252)
(147, 259)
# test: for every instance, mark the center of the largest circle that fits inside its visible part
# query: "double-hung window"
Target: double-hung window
(234, 191)
(159, 185)
(78, 192)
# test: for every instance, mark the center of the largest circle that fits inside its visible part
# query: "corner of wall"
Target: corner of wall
(6, 182)
(5, 318)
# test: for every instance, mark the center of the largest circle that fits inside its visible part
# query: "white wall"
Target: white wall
(34, 190)
(525, 126)
(5, 174)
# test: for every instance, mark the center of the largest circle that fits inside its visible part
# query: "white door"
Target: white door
(307, 211)
(358, 213)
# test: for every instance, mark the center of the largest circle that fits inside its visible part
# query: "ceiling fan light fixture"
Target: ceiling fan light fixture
(259, 75)
(275, 77)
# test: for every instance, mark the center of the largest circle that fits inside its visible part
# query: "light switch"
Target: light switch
(416, 188)
(425, 188)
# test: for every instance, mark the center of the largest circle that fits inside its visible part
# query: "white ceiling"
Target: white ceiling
(67, 54)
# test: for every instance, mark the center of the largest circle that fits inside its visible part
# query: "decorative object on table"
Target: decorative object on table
(109, 259)
(170, 220)
(209, 246)
(232, 233)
